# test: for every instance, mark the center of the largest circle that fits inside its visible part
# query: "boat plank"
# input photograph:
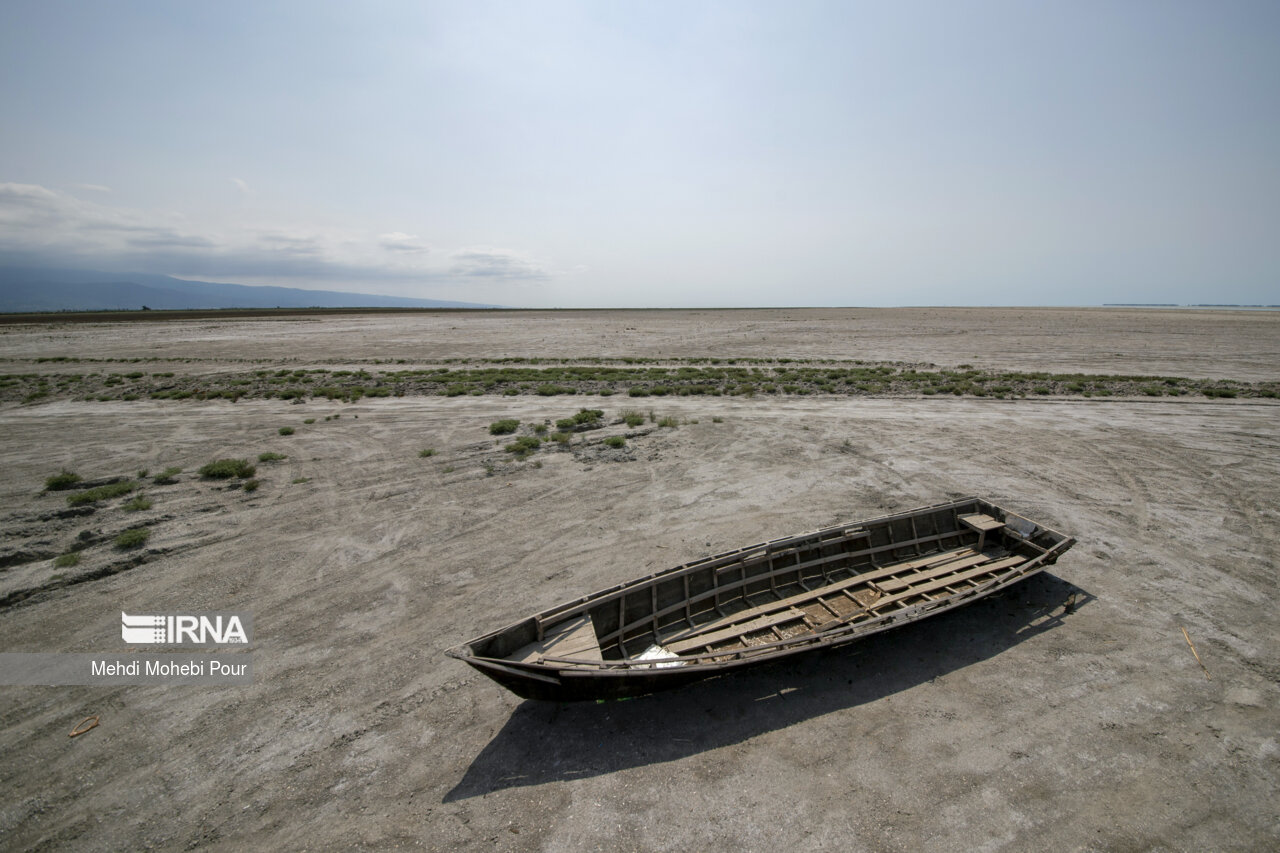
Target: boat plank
(575, 638)
(802, 597)
(943, 583)
(697, 641)
(896, 584)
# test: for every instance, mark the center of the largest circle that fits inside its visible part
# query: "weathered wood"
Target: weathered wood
(945, 568)
(575, 638)
(871, 597)
(802, 597)
(949, 580)
(758, 624)
(982, 523)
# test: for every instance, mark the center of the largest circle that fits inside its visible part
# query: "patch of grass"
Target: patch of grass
(143, 473)
(615, 441)
(561, 437)
(523, 446)
(225, 469)
(309, 421)
(271, 457)
(64, 479)
(669, 422)
(67, 560)
(717, 420)
(427, 452)
(251, 485)
(132, 538)
(285, 430)
(139, 503)
(297, 480)
(632, 418)
(100, 493)
(506, 426)
(167, 477)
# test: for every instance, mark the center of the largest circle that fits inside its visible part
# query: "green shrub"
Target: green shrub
(615, 441)
(717, 420)
(100, 493)
(427, 452)
(133, 537)
(64, 479)
(505, 426)
(141, 502)
(251, 485)
(285, 430)
(309, 421)
(167, 476)
(225, 469)
(561, 437)
(271, 457)
(523, 446)
(67, 560)
(142, 474)
(632, 418)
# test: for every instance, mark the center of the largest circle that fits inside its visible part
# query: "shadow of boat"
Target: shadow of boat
(549, 742)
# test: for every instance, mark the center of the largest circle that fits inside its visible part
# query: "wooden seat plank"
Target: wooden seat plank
(981, 522)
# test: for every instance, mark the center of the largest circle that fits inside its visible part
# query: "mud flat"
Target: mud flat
(1069, 713)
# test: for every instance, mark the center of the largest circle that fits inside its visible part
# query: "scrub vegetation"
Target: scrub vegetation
(636, 377)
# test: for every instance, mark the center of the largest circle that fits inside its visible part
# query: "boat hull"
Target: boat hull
(765, 603)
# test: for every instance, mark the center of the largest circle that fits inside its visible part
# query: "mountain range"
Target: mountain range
(31, 289)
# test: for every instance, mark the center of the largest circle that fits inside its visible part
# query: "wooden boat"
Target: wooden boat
(765, 602)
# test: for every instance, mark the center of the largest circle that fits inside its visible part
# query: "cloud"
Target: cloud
(97, 188)
(485, 262)
(292, 244)
(398, 241)
(242, 186)
(44, 227)
(35, 216)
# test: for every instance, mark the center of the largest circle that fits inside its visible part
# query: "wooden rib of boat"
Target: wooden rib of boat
(765, 602)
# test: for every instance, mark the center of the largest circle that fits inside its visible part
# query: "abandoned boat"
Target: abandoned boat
(765, 602)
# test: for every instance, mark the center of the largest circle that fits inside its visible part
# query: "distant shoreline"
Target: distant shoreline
(154, 315)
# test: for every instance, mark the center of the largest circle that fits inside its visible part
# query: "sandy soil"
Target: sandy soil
(1213, 344)
(1013, 723)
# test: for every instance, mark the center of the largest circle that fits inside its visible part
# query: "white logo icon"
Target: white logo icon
(149, 630)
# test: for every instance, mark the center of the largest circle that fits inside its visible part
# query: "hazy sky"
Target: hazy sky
(653, 153)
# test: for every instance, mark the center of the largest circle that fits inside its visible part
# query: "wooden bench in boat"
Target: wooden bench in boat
(982, 523)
